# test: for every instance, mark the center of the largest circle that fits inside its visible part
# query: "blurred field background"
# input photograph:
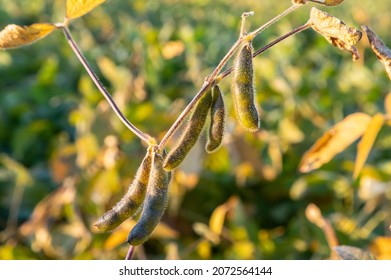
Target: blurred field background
(65, 158)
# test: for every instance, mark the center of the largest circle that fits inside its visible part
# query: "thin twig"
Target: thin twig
(243, 24)
(268, 46)
(143, 136)
(130, 253)
(210, 80)
(275, 19)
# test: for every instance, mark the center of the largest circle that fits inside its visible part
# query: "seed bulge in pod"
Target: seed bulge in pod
(243, 92)
(217, 121)
(190, 134)
(155, 202)
(131, 202)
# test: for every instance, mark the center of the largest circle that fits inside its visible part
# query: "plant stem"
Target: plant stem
(268, 46)
(210, 80)
(130, 253)
(184, 113)
(275, 19)
(143, 136)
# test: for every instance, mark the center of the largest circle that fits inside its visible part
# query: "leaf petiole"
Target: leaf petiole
(143, 136)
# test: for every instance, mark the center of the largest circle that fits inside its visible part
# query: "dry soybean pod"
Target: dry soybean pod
(133, 199)
(243, 89)
(190, 134)
(155, 202)
(217, 121)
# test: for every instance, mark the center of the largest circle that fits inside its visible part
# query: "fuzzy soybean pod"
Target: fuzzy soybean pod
(217, 121)
(190, 134)
(131, 202)
(155, 202)
(243, 89)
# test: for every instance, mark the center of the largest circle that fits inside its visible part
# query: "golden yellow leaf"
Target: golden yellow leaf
(217, 218)
(204, 249)
(15, 36)
(366, 143)
(387, 104)
(381, 248)
(172, 49)
(334, 141)
(335, 31)
(78, 8)
(314, 215)
(379, 48)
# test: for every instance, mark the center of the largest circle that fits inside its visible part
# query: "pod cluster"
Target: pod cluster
(148, 192)
(210, 104)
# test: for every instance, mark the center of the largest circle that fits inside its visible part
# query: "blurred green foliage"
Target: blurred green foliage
(66, 158)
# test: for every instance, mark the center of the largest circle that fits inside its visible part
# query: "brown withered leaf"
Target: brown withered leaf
(299, 1)
(379, 48)
(15, 36)
(334, 141)
(335, 31)
(353, 253)
(366, 143)
(328, 2)
(78, 8)
(322, 2)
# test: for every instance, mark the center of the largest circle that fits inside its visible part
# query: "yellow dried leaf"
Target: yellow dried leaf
(366, 143)
(335, 31)
(334, 141)
(172, 49)
(118, 237)
(78, 8)
(217, 218)
(15, 36)
(371, 188)
(387, 104)
(379, 48)
(381, 248)
(314, 215)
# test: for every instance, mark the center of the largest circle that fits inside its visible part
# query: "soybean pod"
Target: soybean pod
(191, 133)
(243, 89)
(131, 202)
(155, 202)
(217, 121)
